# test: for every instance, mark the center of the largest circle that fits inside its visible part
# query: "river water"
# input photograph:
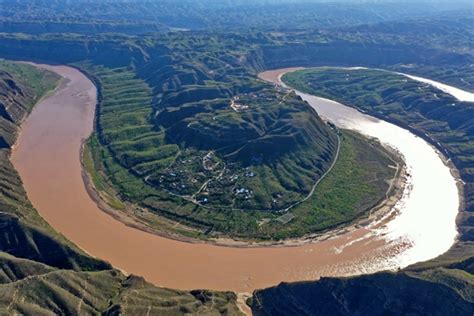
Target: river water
(427, 212)
(47, 157)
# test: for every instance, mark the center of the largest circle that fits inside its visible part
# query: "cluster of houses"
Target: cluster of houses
(243, 193)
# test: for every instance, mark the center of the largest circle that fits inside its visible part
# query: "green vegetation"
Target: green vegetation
(97, 179)
(212, 184)
(41, 272)
(188, 71)
(141, 16)
(28, 85)
(357, 182)
(355, 185)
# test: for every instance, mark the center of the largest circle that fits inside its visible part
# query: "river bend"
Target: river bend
(47, 157)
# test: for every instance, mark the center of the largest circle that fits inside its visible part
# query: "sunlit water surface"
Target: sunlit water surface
(426, 214)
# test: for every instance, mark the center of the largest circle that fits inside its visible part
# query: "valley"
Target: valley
(110, 239)
(170, 140)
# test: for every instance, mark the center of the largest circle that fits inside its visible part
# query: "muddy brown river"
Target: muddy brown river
(47, 157)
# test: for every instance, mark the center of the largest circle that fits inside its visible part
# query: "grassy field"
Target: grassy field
(358, 181)
(356, 184)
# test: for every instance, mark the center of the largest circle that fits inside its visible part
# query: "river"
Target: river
(47, 157)
(426, 209)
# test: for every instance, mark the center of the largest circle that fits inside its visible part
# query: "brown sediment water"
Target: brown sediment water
(47, 157)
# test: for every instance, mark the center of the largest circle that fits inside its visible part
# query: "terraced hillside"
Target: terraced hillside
(223, 153)
(41, 272)
(201, 160)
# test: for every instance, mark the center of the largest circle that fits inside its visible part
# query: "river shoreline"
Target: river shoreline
(441, 151)
(375, 213)
(275, 76)
(54, 180)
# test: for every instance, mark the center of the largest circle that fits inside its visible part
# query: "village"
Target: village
(204, 179)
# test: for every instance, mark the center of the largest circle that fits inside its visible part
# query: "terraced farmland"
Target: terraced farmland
(186, 164)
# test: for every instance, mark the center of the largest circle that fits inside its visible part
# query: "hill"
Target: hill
(178, 153)
(378, 47)
(439, 291)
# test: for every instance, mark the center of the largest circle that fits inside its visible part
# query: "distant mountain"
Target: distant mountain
(139, 17)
